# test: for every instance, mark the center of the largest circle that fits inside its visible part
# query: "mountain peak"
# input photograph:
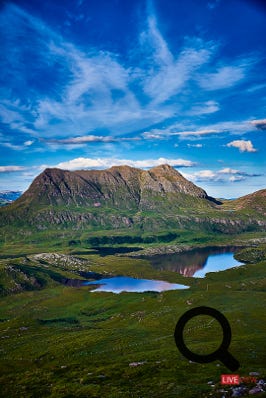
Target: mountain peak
(164, 166)
(164, 169)
(53, 171)
(122, 167)
(119, 186)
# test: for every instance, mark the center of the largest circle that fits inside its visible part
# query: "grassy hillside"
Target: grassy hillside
(61, 341)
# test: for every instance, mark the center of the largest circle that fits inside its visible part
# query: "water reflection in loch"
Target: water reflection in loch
(196, 262)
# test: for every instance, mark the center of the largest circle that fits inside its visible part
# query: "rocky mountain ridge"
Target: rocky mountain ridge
(119, 185)
(124, 197)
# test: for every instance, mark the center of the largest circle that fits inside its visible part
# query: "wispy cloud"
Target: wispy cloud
(223, 175)
(224, 77)
(10, 169)
(86, 163)
(203, 176)
(243, 146)
(28, 143)
(155, 134)
(259, 124)
(89, 139)
(169, 74)
(16, 147)
(167, 133)
(228, 170)
(236, 178)
(95, 89)
(204, 108)
(195, 145)
(256, 87)
(225, 127)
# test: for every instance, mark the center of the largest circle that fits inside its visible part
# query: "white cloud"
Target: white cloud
(28, 143)
(195, 145)
(204, 109)
(205, 174)
(223, 175)
(228, 170)
(84, 139)
(155, 134)
(202, 175)
(197, 132)
(9, 169)
(243, 146)
(224, 77)
(259, 124)
(163, 134)
(228, 127)
(16, 147)
(236, 178)
(12, 146)
(236, 173)
(90, 138)
(85, 163)
(232, 127)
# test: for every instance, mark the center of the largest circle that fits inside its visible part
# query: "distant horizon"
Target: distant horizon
(95, 84)
(2, 191)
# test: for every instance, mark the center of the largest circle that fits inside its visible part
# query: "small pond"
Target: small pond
(196, 262)
(120, 284)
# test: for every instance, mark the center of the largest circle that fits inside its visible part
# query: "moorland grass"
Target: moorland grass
(59, 341)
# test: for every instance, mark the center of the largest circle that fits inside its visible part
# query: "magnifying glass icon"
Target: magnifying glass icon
(221, 353)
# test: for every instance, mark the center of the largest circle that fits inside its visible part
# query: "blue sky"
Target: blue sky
(91, 84)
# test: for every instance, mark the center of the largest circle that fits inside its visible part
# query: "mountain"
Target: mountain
(8, 196)
(255, 201)
(123, 197)
(119, 186)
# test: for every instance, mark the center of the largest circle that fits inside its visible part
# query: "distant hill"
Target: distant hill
(255, 201)
(124, 197)
(7, 197)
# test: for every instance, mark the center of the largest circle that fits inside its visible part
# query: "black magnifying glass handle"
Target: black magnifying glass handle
(229, 361)
(221, 354)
